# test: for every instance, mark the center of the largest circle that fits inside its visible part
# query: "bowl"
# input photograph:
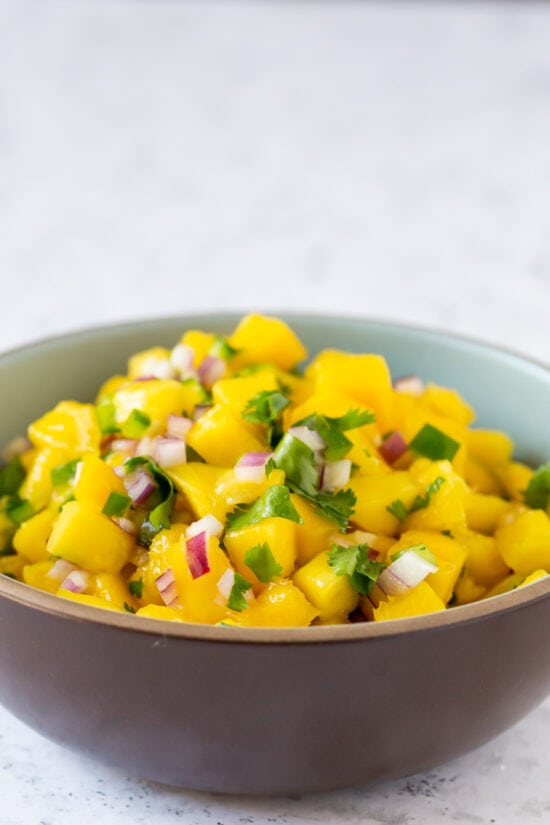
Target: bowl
(273, 711)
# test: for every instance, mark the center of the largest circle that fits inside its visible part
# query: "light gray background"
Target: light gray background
(389, 160)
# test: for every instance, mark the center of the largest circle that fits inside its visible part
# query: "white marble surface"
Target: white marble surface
(365, 158)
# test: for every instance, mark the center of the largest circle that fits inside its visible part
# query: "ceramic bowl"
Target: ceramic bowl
(268, 711)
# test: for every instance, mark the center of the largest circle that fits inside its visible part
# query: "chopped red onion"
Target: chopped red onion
(200, 410)
(166, 584)
(144, 446)
(405, 573)
(124, 445)
(182, 358)
(251, 467)
(393, 447)
(207, 524)
(154, 367)
(211, 369)
(336, 474)
(409, 383)
(178, 426)
(197, 554)
(125, 524)
(309, 437)
(226, 582)
(168, 451)
(139, 485)
(61, 569)
(77, 581)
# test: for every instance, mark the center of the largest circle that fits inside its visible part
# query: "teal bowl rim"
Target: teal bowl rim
(518, 599)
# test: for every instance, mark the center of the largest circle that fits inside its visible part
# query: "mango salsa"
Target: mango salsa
(223, 481)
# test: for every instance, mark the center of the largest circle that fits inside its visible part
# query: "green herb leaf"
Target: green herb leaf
(537, 494)
(161, 502)
(275, 502)
(332, 430)
(421, 502)
(221, 348)
(117, 504)
(420, 550)
(64, 473)
(236, 600)
(12, 477)
(398, 509)
(105, 413)
(337, 507)
(128, 608)
(262, 562)
(136, 587)
(434, 444)
(266, 408)
(298, 462)
(354, 562)
(18, 510)
(136, 424)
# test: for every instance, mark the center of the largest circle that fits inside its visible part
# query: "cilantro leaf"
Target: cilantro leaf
(160, 503)
(332, 430)
(337, 507)
(262, 562)
(398, 509)
(64, 473)
(135, 425)
(117, 504)
(236, 600)
(298, 462)
(128, 608)
(421, 502)
(274, 502)
(354, 562)
(18, 510)
(136, 587)
(221, 348)
(11, 477)
(434, 444)
(266, 408)
(105, 413)
(420, 550)
(537, 494)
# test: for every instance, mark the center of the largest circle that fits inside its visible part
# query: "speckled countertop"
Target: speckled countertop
(363, 158)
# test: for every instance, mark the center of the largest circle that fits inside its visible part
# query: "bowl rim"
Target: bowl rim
(52, 604)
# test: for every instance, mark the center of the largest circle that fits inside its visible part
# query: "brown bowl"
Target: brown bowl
(276, 711)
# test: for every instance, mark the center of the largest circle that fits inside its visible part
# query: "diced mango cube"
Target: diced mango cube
(69, 426)
(525, 543)
(445, 510)
(262, 340)
(313, 535)
(89, 539)
(157, 399)
(416, 602)
(378, 492)
(450, 554)
(281, 604)
(483, 511)
(31, 538)
(96, 481)
(280, 536)
(332, 595)
(221, 438)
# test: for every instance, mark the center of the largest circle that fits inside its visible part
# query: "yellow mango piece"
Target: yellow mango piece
(296, 387)
(411, 415)
(484, 562)
(281, 604)
(490, 447)
(231, 491)
(110, 386)
(365, 378)
(220, 438)
(468, 590)
(416, 602)
(69, 426)
(506, 585)
(155, 611)
(89, 539)
(96, 480)
(536, 576)
(278, 533)
(448, 403)
(37, 575)
(515, 478)
(315, 532)
(236, 392)
(330, 594)
(113, 589)
(375, 494)
(31, 538)
(525, 543)
(264, 340)
(445, 510)
(12, 566)
(198, 483)
(138, 363)
(37, 486)
(85, 598)
(450, 554)
(157, 398)
(480, 478)
(200, 342)
(483, 511)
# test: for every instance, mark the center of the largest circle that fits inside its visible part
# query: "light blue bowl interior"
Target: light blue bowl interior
(507, 391)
